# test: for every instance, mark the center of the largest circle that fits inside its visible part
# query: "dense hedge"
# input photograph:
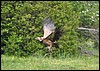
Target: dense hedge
(22, 22)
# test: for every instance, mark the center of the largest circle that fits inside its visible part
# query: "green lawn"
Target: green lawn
(33, 63)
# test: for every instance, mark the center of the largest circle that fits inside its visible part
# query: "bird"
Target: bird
(49, 28)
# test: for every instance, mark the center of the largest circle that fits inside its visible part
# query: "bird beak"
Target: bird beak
(36, 39)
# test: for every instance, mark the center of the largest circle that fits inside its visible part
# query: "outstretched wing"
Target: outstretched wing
(48, 27)
(58, 33)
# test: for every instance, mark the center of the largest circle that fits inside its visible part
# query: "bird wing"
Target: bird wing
(58, 33)
(48, 28)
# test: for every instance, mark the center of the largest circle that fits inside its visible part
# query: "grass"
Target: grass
(34, 63)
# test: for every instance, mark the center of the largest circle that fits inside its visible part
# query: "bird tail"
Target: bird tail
(55, 44)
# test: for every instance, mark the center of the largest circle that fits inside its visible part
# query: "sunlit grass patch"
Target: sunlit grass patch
(34, 63)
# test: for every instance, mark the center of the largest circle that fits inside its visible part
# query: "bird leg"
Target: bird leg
(49, 48)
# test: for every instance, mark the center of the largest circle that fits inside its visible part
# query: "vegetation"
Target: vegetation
(34, 63)
(22, 21)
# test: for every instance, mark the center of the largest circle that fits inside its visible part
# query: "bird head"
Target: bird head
(39, 38)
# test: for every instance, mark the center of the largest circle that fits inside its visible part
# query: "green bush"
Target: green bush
(22, 22)
(89, 13)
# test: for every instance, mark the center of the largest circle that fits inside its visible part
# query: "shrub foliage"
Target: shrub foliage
(22, 22)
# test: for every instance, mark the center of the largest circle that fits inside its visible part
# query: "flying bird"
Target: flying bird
(49, 28)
